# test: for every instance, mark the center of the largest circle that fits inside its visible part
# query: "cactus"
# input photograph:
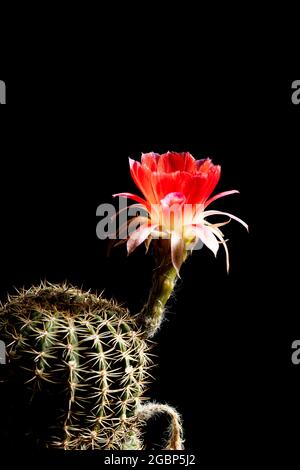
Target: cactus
(77, 368)
(78, 364)
(76, 360)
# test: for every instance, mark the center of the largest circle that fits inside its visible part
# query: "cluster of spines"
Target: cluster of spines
(85, 349)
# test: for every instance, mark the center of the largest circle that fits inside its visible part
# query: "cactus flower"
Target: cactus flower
(177, 190)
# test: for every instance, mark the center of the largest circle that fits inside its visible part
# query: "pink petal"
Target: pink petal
(183, 182)
(199, 163)
(134, 197)
(135, 223)
(200, 185)
(208, 213)
(173, 199)
(170, 162)
(135, 206)
(195, 188)
(190, 163)
(218, 234)
(141, 175)
(177, 251)
(124, 229)
(139, 236)
(150, 160)
(223, 194)
(164, 183)
(207, 237)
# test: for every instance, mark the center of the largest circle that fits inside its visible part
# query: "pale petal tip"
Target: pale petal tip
(131, 162)
(129, 250)
(177, 268)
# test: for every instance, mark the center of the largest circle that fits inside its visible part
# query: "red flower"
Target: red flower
(177, 189)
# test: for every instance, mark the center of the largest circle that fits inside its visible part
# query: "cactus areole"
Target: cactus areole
(77, 365)
(78, 362)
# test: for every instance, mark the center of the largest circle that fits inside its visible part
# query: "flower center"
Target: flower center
(173, 199)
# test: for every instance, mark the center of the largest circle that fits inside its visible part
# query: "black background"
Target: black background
(224, 353)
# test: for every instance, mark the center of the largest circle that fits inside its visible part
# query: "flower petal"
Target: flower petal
(150, 160)
(134, 197)
(141, 176)
(177, 251)
(218, 234)
(196, 188)
(139, 236)
(165, 183)
(207, 237)
(190, 163)
(124, 229)
(133, 206)
(208, 213)
(135, 223)
(223, 194)
(172, 161)
(199, 163)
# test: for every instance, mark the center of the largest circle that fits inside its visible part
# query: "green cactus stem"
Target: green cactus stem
(77, 368)
(163, 283)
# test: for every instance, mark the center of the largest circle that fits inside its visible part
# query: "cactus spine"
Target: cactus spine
(78, 366)
(77, 369)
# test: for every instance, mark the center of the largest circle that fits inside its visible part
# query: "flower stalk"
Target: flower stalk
(163, 283)
(177, 190)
